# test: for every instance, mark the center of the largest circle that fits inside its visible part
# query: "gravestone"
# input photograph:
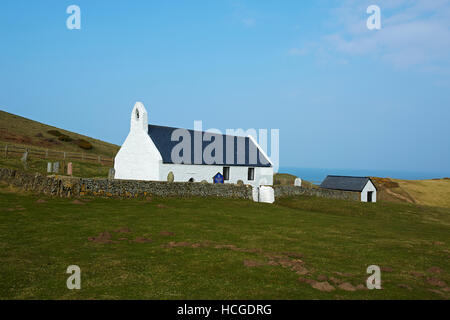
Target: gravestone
(49, 167)
(55, 167)
(266, 194)
(24, 159)
(111, 173)
(69, 168)
(298, 182)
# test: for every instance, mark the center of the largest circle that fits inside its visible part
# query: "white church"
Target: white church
(159, 153)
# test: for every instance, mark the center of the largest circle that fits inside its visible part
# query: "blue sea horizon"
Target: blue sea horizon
(317, 175)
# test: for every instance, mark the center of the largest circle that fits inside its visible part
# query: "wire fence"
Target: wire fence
(11, 150)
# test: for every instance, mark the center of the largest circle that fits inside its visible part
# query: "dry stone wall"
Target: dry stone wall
(68, 186)
(292, 191)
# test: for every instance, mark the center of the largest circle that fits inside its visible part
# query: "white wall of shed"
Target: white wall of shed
(367, 188)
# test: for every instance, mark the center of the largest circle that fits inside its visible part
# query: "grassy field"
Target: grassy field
(220, 249)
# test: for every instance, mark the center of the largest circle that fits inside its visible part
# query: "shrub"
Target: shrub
(240, 183)
(65, 138)
(83, 144)
(54, 133)
(170, 177)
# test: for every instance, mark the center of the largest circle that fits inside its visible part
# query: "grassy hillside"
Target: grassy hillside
(298, 248)
(424, 192)
(22, 131)
(80, 169)
(286, 179)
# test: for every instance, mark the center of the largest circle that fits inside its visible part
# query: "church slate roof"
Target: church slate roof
(345, 183)
(162, 138)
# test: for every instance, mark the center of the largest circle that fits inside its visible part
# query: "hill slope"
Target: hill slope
(424, 192)
(25, 132)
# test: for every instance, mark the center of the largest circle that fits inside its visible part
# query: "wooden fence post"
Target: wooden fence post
(46, 153)
(6, 151)
(64, 156)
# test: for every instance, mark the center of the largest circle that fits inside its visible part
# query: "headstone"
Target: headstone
(266, 194)
(111, 173)
(49, 167)
(24, 159)
(55, 167)
(69, 168)
(298, 182)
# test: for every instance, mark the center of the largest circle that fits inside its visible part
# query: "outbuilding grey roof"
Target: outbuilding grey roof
(345, 183)
(162, 138)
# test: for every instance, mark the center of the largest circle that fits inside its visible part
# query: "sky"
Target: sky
(341, 95)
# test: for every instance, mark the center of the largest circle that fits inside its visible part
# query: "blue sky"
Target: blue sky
(341, 95)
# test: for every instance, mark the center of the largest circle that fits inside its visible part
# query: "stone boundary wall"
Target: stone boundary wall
(68, 186)
(291, 191)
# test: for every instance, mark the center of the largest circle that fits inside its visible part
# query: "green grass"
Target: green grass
(79, 169)
(38, 241)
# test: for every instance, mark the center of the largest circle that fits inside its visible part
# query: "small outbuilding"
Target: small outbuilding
(363, 185)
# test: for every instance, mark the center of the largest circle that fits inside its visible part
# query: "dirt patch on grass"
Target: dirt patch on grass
(41, 201)
(166, 233)
(436, 270)
(347, 286)
(323, 286)
(335, 280)
(386, 269)
(322, 277)
(104, 237)
(417, 274)
(297, 255)
(77, 202)
(361, 287)
(123, 230)
(436, 282)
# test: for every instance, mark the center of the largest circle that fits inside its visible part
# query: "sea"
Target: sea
(317, 175)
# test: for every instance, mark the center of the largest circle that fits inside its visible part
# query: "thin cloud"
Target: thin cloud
(415, 33)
